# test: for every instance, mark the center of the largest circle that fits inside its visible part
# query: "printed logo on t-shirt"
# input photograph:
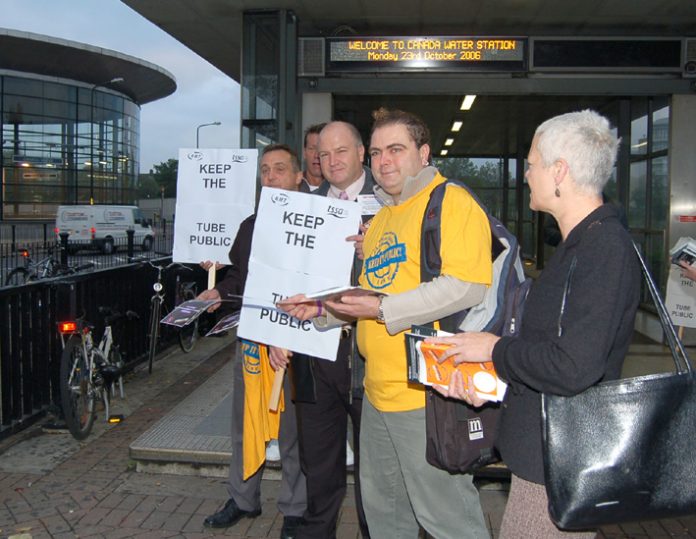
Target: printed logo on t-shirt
(383, 263)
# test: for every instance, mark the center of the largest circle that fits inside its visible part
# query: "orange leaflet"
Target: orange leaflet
(483, 374)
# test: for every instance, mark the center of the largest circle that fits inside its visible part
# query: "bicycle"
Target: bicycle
(188, 335)
(43, 269)
(89, 371)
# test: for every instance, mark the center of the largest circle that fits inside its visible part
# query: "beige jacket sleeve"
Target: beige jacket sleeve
(430, 301)
(426, 303)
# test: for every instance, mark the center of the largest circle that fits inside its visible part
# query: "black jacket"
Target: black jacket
(302, 370)
(235, 277)
(597, 327)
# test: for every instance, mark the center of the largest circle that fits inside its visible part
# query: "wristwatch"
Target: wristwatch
(380, 311)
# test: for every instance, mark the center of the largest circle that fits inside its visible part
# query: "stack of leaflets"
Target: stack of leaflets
(186, 312)
(335, 293)
(425, 366)
(684, 251)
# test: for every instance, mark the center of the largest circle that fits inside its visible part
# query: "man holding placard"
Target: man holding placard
(279, 169)
(326, 392)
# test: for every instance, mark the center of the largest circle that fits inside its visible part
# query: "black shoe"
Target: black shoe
(290, 527)
(228, 515)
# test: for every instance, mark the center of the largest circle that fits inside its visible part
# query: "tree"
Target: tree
(460, 168)
(164, 175)
(147, 187)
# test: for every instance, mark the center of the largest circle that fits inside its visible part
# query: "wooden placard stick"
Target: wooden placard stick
(211, 277)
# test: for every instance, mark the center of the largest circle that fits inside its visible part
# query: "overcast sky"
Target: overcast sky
(204, 94)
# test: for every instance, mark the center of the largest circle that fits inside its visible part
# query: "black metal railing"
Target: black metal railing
(30, 347)
(41, 242)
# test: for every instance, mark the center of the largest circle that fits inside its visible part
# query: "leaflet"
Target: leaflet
(425, 366)
(683, 251)
(336, 292)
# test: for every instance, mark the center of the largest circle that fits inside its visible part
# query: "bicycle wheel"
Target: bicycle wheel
(77, 390)
(16, 277)
(155, 306)
(188, 335)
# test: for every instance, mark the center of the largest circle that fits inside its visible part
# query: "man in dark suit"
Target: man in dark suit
(328, 392)
(279, 169)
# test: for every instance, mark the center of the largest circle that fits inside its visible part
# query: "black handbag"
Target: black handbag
(624, 450)
(460, 438)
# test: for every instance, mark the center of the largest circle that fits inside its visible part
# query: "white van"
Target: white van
(103, 227)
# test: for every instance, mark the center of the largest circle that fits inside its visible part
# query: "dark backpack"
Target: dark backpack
(460, 438)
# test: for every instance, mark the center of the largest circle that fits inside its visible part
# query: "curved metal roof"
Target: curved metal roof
(27, 52)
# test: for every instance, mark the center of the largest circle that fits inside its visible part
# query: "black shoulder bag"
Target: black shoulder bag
(624, 450)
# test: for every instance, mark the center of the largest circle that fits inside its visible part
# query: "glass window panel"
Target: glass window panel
(655, 255)
(659, 207)
(18, 86)
(639, 128)
(610, 189)
(528, 240)
(512, 206)
(59, 109)
(637, 199)
(492, 199)
(660, 129)
(512, 173)
(62, 92)
(20, 109)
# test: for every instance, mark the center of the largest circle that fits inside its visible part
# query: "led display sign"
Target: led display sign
(434, 53)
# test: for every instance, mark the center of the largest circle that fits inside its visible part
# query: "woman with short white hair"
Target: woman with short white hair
(570, 340)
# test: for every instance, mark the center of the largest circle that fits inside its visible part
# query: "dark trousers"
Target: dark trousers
(322, 429)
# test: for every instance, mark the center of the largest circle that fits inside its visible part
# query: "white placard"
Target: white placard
(306, 233)
(207, 232)
(298, 246)
(216, 190)
(260, 321)
(680, 299)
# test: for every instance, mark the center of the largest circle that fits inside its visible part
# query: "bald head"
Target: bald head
(341, 154)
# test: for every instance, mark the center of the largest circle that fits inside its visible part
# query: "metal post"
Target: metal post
(203, 125)
(131, 234)
(64, 248)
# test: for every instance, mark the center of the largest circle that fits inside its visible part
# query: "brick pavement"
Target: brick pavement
(95, 491)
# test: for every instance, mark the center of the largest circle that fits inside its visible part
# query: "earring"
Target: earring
(557, 193)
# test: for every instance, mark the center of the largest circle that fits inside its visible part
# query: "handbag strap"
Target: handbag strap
(681, 360)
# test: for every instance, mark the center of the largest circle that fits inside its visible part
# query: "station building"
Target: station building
(70, 123)
(301, 62)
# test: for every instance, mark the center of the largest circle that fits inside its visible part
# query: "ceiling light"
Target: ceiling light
(443, 152)
(467, 102)
(449, 142)
(457, 125)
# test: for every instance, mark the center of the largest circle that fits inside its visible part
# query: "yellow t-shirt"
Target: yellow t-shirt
(392, 266)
